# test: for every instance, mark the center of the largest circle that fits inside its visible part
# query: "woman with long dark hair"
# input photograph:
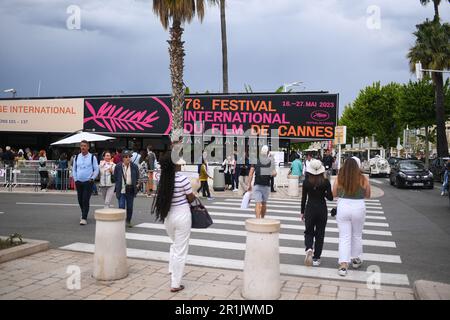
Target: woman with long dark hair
(351, 187)
(315, 213)
(171, 206)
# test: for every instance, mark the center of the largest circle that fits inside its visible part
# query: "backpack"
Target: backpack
(92, 161)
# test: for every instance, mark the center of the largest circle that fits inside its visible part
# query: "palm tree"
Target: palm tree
(179, 12)
(436, 4)
(223, 27)
(432, 49)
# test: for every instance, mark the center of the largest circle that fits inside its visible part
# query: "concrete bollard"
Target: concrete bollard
(110, 258)
(293, 189)
(262, 260)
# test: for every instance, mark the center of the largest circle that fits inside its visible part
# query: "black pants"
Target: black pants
(44, 179)
(205, 189)
(84, 192)
(272, 181)
(315, 223)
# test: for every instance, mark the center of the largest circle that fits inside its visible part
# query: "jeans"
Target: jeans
(128, 199)
(350, 220)
(84, 192)
(445, 183)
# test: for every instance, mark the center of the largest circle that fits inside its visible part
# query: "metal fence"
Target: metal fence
(29, 174)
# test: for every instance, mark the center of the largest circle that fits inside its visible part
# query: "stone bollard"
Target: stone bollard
(110, 258)
(293, 189)
(262, 260)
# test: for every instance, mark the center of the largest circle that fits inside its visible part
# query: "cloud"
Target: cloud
(122, 47)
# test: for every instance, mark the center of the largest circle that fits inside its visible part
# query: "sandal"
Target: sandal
(177, 289)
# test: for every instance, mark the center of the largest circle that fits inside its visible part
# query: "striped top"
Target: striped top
(181, 189)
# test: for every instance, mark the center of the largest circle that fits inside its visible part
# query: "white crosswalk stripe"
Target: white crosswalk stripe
(223, 244)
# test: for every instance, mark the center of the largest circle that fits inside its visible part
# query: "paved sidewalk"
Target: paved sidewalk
(44, 276)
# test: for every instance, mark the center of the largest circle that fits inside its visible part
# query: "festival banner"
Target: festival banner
(41, 115)
(307, 116)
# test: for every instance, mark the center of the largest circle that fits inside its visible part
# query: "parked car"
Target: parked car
(411, 173)
(437, 167)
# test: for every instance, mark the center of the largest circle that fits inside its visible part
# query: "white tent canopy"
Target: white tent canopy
(80, 136)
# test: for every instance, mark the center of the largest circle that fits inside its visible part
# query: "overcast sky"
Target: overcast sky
(334, 45)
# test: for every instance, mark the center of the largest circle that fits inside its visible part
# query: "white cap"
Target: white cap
(8, 148)
(357, 161)
(265, 149)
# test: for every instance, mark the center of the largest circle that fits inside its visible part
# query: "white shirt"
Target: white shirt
(126, 172)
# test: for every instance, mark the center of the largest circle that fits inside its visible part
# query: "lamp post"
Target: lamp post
(12, 90)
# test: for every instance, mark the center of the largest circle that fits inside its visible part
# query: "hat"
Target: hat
(126, 153)
(315, 167)
(265, 149)
(8, 148)
(181, 162)
(357, 161)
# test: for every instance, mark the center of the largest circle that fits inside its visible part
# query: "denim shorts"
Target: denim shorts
(261, 193)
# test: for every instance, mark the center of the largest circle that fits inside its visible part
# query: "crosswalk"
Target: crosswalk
(223, 244)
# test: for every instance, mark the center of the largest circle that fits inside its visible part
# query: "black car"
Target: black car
(411, 173)
(437, 167)
(393, 160)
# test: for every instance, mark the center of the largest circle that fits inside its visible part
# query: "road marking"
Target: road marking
(273, 210)
(377, 181)
(270, 205)
(56, 204)
(1, 212)
(302, 227)
(282, 236)
(285, 269)
(293, 200)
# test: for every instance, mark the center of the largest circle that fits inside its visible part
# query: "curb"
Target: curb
(30, 247)
(428, 290)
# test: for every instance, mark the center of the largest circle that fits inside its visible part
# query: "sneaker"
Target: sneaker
(235, 190)
(356, 263)
(342, 269)
(316, 262)
(442, 193)
(210, 198)
(129, 225)
(308, 258)
(83, 222)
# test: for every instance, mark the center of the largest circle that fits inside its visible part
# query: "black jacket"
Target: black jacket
(316, 197)
(118, 175)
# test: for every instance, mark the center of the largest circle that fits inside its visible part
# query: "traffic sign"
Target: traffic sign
(340, 134)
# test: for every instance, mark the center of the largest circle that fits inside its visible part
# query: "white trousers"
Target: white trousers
(350, 220)
(178, 227)
(107, 194)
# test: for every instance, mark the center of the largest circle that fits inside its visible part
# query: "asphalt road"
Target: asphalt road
(418, 219)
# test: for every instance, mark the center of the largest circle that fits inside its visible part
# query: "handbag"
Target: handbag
(200, 216)
(333, 212)
(246, 200)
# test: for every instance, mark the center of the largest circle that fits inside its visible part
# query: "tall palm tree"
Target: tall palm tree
(178, 12)
(432, 49)
(436, 4)
(223, 27)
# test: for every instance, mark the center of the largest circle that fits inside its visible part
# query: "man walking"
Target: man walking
(263, 170)
(328, 163)
(85, 170)
(151, 158)
(126, 175)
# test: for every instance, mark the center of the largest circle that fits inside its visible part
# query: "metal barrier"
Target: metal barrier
(27, 173)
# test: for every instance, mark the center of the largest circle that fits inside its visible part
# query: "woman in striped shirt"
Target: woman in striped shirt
(171, 205)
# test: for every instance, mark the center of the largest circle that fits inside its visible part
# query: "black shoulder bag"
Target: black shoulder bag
(200, 216)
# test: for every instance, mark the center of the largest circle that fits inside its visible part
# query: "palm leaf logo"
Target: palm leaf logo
(112, 118)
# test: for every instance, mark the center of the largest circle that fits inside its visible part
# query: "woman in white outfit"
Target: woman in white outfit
(351, 187)
(106, 172)
(171, 205)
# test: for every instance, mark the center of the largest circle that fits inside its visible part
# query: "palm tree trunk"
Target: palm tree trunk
(176, 53)
(441, 143)
(427, 148)
(436, 9)
(223, 27)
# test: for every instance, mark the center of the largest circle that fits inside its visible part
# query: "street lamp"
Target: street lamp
(286, 85)
(12, 90)
(419, 71)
